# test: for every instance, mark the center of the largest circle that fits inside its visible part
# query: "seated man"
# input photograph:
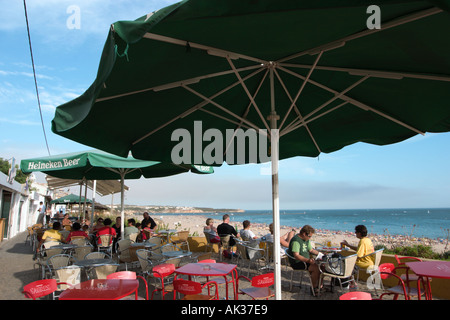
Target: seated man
(246, 233)
(131, 229)
(76, 232)
(225, 228)
(300, 248)
(106, 229)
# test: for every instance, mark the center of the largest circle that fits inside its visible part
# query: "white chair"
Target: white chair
(69, 276)
(97, 255)
(346, 277)
(376, 256)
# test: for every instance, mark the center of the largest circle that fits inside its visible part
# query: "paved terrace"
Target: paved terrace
(17, 269)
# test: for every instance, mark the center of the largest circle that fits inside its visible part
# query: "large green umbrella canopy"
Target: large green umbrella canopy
(99, 165)
(70, 199)
(316, 72)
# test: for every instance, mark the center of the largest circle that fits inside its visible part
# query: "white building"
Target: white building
(18, 206)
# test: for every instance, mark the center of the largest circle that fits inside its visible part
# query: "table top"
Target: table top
(143, 244)
(168, 231)
(100, 289)
(176, 254)
(64, 246)
(433, 269)
(93, 262)
(206, 269)
(329, 249)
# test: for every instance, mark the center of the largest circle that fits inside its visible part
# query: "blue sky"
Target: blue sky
(414, 173)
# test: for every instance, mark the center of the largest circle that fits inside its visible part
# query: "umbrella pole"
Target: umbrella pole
(91, 225)
(274, 157)
(122, 198)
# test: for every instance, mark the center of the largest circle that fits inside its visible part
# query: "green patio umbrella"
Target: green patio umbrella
(315, 76)
(99, 165)
(70, 199)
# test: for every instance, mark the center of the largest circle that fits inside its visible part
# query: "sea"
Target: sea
(433, 223)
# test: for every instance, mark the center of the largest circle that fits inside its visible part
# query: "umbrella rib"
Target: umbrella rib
(293, 102)
(210, 50)
(356, 102)
(197, 107)
(209, 100)
(372, 73)
(177, 83)
(247, 110)
(386, 25)
(251, 98)
(301, 119)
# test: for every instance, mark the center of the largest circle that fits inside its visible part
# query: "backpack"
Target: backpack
(336, 266)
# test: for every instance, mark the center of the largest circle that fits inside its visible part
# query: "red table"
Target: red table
(429, 269)
(211, 270)
(101, 289)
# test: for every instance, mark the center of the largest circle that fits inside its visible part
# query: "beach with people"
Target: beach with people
(196, 223)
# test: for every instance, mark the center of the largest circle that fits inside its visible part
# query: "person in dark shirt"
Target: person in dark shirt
(148, 222)
(225, 228)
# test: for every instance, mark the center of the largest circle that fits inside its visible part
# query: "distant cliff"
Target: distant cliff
(173, 209)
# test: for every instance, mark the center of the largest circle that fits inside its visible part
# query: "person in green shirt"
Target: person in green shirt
(300, 248)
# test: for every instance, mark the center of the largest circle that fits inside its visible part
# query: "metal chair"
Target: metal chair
(144, 261)
(210, 245)
(105, 243)
(301, 271)
(249, 254)
(57, 261)
(163, 275)
(79, 253)
(376, 255)
(129, 275)
(68, 276)
(193, 290)
(259, 286)
(79, 241)
(41, 288)
(182, 239)
(102, 271)
(347, 276)
(388, 270)
(407, 276)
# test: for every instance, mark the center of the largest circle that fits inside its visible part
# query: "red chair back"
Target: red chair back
(263, 280)
(163, 270)
(122, 275)
(207, 261)
(356, 295)
(386, 268)
(187, 287)
(39, 288)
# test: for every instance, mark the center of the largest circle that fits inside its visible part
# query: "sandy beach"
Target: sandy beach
(195, 224)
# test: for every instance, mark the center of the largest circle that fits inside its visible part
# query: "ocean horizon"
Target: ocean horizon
(433, 223)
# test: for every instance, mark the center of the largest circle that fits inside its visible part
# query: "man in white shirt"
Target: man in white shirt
(246, 233)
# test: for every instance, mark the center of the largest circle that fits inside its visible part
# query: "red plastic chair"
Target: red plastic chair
(388, 270)
(193, 290)
(128, 275)
(401, 263)
(41, 288)
(260, 286)
(356, 295)
(163, 272)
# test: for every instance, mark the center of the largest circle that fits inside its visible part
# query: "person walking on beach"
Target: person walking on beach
(364, 247)
(300, 249)
(225, 228)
